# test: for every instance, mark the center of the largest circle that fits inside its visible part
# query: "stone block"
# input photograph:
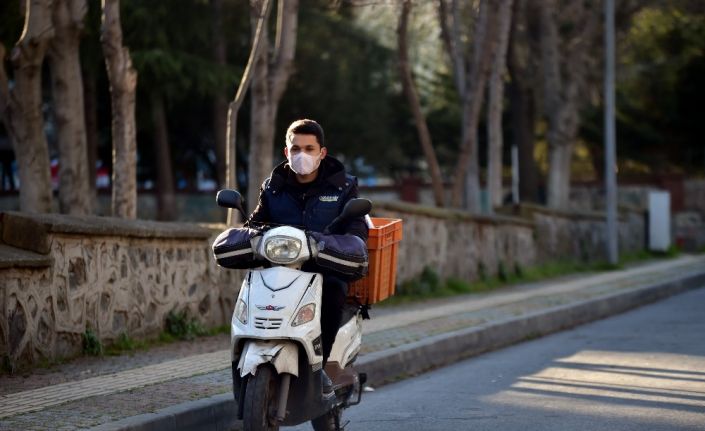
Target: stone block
(77, 273)
(25, 233)
(689, 231)
(18, 325)
(45, 328)
(68, 345)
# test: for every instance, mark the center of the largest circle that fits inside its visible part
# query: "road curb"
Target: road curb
(216, 413)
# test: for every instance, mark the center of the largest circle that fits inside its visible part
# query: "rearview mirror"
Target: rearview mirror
(228, 198)
(356, 207)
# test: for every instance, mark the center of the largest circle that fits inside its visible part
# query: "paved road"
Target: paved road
(644, 370)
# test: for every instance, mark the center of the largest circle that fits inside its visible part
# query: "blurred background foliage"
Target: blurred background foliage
(346, 78)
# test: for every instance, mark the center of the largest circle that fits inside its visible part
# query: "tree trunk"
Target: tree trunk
(67, 87)
(90, 102)
(23, 112)
(471, 92)
(558, 185)
(449, 19)
(553, 89)
(494, 110)
(413, 99)
(563, 73)
(166, 198)
(123, 83)
(468, 166)
(522, 106)
(220, 102)
(522, 114)
(258, 42)
(270, 80)
(261, 128)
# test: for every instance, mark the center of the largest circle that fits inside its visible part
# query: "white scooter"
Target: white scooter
(276, 335)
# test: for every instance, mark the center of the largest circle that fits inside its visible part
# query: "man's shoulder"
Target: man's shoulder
(352, 179)
(336, 173)
(276, 179)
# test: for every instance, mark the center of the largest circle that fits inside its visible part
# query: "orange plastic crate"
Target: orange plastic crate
(383, 247)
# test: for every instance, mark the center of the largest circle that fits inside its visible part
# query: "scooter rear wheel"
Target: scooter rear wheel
(329, 421)
(260, 403)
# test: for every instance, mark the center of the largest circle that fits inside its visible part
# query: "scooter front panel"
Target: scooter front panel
(273, 297)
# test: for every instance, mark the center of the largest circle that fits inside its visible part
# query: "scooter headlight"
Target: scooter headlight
(282, 249)
(241, 311)
(304, 315)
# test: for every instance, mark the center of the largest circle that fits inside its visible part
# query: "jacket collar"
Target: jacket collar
(332, 170)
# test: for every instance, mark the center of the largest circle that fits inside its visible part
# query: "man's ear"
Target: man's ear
(324, 152)
(286, 152)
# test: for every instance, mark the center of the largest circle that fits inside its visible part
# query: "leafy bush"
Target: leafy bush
(481, 271)
(6, 364)
(91, 344)
(502, 271)
(518, 270)
(458, 286)
(427, 283)
(181, 326)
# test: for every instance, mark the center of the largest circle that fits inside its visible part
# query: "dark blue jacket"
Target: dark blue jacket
(282, 202)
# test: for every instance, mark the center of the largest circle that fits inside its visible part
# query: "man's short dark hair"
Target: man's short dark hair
(305, 127)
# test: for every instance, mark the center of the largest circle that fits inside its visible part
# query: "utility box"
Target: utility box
(659, 221)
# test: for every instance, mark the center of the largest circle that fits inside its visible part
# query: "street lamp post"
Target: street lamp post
(610, 145)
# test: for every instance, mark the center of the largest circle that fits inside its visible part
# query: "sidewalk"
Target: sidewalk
(189, 383)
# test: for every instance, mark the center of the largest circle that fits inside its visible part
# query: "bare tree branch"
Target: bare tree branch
(234, 107)
(550, 54)
(271, 75)
(476, 77)
(254, 52)
(495, 105)
(450, 34)
(284, 48)
(415, 105)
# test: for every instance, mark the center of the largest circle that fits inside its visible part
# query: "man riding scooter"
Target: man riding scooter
(310, 190)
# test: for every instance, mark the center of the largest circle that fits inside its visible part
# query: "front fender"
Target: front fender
(284, 355)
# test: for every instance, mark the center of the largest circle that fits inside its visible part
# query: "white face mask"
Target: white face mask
(304, 164)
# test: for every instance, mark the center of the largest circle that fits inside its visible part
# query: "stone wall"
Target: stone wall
(695, 196)
(689, 225)
(61, 275)
(456, 244)
(190, 207)
(108, 275)
(581, 235)
(592, 198)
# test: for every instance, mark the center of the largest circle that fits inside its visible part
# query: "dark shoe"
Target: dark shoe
(326, 384)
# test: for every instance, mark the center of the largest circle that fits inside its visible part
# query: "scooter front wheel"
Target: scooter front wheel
(260, 403)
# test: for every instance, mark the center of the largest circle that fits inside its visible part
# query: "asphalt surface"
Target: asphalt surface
(643, 370)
